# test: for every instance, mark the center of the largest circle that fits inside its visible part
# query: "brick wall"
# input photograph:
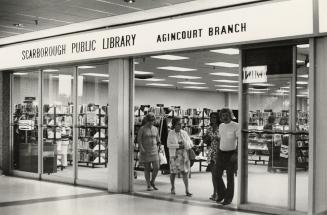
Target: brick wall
(4, 121)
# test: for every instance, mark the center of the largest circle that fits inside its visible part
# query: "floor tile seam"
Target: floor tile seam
(52, 199)
(194, 203)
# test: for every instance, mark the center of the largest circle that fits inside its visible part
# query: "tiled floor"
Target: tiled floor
(30, 197)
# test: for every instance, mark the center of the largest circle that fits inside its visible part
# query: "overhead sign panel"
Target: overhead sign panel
(268, 20)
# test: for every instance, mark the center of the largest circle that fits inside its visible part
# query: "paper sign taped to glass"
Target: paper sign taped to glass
(26, 124)
(255, 74)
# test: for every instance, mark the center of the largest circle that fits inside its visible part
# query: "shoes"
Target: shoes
(226, 202)
(154, 186)
(172, 191)
(219, 199)
(213, 197)
(149, 188)
(189, 194)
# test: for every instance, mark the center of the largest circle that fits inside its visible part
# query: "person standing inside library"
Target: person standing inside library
(179, 144)
(148, 139)
(211, 138)
(227, 155)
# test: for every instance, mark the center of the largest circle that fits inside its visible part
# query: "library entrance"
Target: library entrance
(267, 91)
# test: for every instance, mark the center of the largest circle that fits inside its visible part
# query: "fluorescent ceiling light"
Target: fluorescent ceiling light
(105, 80)
(303, 46)
(228, 74)
(227, 90)
(302, 82)
(302, 95)
(285, 87)
(304, 76)
(263, 84)
(256, 92)
(229, 51)
(191, 82)
(184, 77)
(86, 67)
(226, 81)
(150, 79)
(175, 68)
(282, 91)
(136, 62)
(161, 85)
(50, 70)
(300, 61)
(223, 64)
(265, 89)
(142, 73)
(57, 76)
(229, 86)
(96, 75)
(195, 87)
(20, 73)
(170, 57)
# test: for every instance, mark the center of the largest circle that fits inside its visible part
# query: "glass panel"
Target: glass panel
(302, 140)
(93, 96)
(58, 121)
(268, 122)
(25, 120)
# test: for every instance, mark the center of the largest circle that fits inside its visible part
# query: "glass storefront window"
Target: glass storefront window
(25, 110)
(92, 122)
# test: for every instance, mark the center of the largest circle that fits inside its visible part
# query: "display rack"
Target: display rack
(93, 136)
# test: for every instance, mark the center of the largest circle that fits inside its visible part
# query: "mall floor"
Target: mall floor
(21, 196)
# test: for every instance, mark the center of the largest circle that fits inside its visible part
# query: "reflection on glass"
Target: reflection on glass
(302, 139)
(25, 120)
(92, 122)
(58, 121)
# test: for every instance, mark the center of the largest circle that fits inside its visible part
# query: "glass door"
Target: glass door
(274, 129)
(57, 122)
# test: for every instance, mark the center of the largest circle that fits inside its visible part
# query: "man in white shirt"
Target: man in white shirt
(227, 155)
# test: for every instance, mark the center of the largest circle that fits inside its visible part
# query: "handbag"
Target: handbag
(191, 154)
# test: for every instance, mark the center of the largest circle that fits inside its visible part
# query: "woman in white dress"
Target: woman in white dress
(179, 143)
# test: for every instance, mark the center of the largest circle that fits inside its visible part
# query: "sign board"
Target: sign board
(322, 16)
(256, 22)
(255, 74)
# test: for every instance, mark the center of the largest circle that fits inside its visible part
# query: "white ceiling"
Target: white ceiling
(55, 13)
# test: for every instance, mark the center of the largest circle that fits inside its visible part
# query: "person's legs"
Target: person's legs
(172, 182)
(230, 186)
(185, 180)
(214, 179)
(221, 188)
(155, 166)
(147, 169)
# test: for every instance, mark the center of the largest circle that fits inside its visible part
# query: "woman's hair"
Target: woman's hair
(226, 110)
(175, 121)
(271, 119)
(214, 115)
(149, 117)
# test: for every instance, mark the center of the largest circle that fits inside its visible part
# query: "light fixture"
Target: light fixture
(308, 65)
(285, 87)
(227, 74)
(300, 95)
(57, 76)
(304, 76)
(263, 84)
(20, 73)
(184, 77)
(105, 80)
(170, 57)
(160, 85)
(303, 46)
(301, 82)
(135, 62)
(86, 67)
(50, 70)
(129, 1)
(191, 82)
(300, 61)
(256, 92)
(142, 73)
(96, 75)
(256, 89)
(223, 64)
(226, 81)
(175, 68)
(228, 86)
(282, 91)
(227, 90)
(229, 51)
(150, 79)
(195, 87)
(19, 25)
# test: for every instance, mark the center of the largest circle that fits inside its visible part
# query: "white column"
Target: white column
(119, 146)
